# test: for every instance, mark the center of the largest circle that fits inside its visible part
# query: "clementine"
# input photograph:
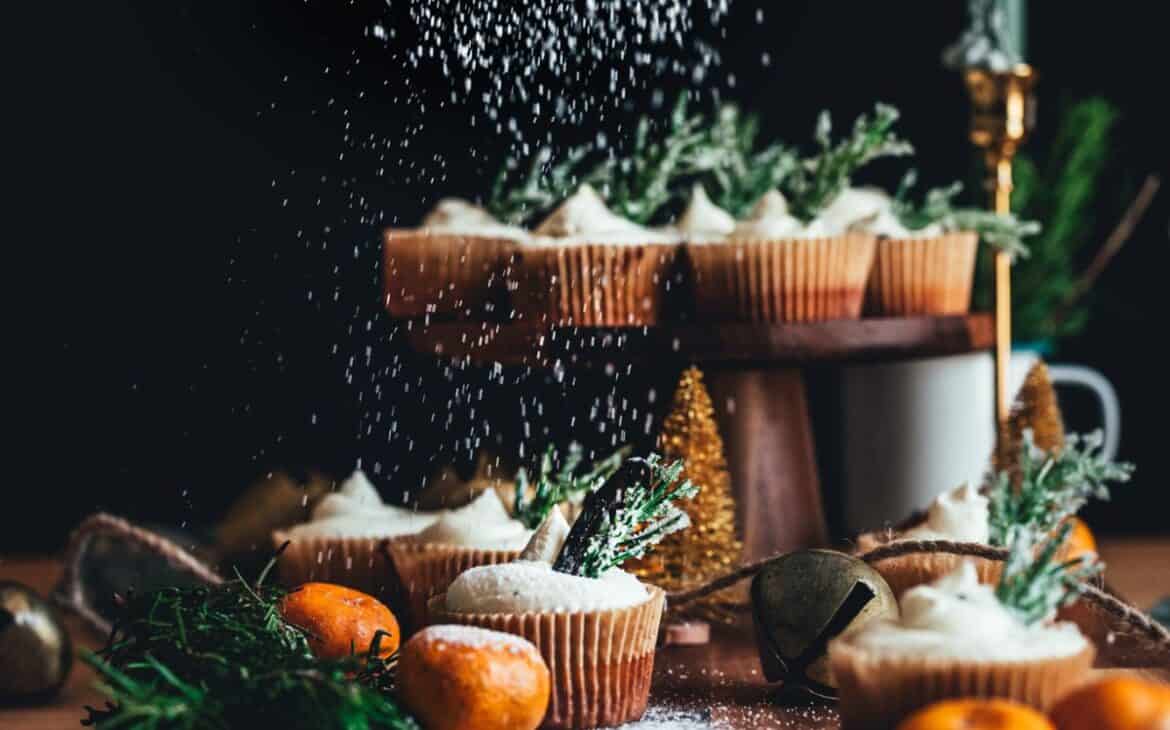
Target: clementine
(1080, 540)
(340, 621)
(1117, 703)
(976, 714)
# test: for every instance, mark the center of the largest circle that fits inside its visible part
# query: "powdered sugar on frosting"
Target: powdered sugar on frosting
(484, 524)
(458, 216)
(584, 218)
(534, 587)
(770, 219)
(356, 510)
(960, 515)
(473, 637)
(703, 221)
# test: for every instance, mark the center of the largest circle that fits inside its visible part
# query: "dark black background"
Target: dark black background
(186, 181)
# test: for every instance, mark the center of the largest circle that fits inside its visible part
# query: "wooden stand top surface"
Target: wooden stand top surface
(712, 344)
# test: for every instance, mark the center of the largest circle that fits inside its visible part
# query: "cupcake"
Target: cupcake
(772, 267)
(340, 543)
(597, 635)
(954, 638)
(456, 264)
(586, 265)
(480, 533)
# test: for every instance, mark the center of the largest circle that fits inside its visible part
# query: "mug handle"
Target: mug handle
(1093, 380)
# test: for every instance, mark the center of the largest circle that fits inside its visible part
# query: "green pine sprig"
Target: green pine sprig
(645, 514)
(1035, 582)
(819, 179)
(219, 658)
(1004, 232)
(545, 183)
(1048, 488)
(554, 486)
(738, 172)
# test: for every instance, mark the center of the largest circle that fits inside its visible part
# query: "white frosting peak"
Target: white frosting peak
(703, 218)
(770, 219)
(534, 587)
(458, 216)
(548, 539)
(484, 523)
(870, 210)
(958, 617)
(356, 510)
(960, 515)
(583, 216)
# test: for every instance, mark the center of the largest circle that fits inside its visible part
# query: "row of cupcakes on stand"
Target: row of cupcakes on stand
(807, 247)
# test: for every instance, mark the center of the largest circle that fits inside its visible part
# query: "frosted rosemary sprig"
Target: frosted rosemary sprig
(1035, 582)
(546, 183)
(738, 174)
(818, 180)
(627, 516)
(1048, 488)
(1004, 232)
(554, 486)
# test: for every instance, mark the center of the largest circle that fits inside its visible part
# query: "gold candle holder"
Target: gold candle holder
(1003, 112)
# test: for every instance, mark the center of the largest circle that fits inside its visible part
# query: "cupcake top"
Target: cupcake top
(703, 221)
(770, 218)
(356, 510)
(960, 515)
(959, 618)
(530, 585)
(584, 218)
(870, 210)
(483, 524)
(455, 215)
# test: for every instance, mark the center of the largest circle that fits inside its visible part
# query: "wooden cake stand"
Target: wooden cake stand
(758, 367)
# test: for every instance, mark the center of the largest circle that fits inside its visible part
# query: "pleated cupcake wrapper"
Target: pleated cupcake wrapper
(354, 562)
(904, 572)
(601, 661)
(604, 285)
(878, 690)
(427, 569)
(922, 276)
(445, 274)
(782, 280)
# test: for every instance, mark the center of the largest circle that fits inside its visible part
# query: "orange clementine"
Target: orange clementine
(976, 714)
(340, 621)
(1080, 540)
(1117, 703)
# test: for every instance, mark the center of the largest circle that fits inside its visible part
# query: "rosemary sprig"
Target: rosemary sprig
(627, 516)
(222, 657)
(1004, 232)
(818, 180)
(737, 173)
(546, 183)
(1035, 582)
(1050, 487)
(554, 486)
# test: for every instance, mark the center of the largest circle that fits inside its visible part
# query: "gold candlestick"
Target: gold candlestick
(1003, 112)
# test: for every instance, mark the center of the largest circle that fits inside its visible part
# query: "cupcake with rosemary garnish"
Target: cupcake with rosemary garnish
(785, 261)
(485, 532)
(595, 624)
(1043, 493)
(455, 264)
(958, 637)
(925, 260)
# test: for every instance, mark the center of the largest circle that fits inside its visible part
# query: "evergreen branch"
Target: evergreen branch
(220, 658)
(818, 180)
(1035, 582)
(560, 485)
(1048, 488)
(545, 184)
(736, 172)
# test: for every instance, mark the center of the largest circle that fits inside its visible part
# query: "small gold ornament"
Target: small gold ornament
(1035, 408)
(803, 600)
(710, 547)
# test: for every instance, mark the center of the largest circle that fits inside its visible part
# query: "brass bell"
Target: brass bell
(801, 601)
(35, 650)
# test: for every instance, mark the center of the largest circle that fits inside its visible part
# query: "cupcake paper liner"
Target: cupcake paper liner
(354, 562)
(879, 689)
(606, 285)
(428, 569)
(601, 662)
(783, 280)
(429, 273)
(922, 276)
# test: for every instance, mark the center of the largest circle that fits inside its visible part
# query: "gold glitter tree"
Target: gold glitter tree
(709, 547)
(1035, 408)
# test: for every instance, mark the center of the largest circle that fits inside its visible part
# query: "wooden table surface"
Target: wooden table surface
(718, 685)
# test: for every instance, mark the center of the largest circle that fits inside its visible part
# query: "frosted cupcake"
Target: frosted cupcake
(480, 533)
(773, 267)
(456, 264)
(954, 638)
(585, 265)
(340, 543)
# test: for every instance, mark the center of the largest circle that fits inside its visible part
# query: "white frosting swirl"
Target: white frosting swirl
(458, 216)
(770, 219)
(957, 617)
(534, 587)
(356, 510)
(870, 210)
(484, 524)
(584, 218)
(960, 515)
(703, 221)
